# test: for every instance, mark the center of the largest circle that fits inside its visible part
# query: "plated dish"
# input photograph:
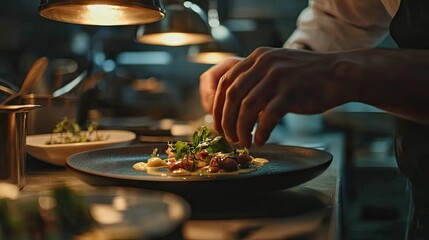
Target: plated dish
(57, 153)
(288, 166)
(204, 155)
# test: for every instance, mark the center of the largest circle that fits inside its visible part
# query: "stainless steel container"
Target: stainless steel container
(52, 111)
(13, 133)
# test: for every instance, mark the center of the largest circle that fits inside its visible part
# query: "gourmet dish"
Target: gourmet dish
(202, 156)
(68, 131)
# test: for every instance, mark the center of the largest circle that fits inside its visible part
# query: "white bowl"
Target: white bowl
(58, 153)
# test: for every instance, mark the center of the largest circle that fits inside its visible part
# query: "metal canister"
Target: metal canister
(13, 133)
(52, 111)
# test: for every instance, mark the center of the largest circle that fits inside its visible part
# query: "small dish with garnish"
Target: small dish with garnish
(67, 139)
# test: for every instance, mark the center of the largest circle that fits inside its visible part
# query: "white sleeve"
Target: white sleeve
(332, 25)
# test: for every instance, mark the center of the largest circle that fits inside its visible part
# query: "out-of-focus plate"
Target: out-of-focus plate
(288, 166)
(57, 153)
(99, 213)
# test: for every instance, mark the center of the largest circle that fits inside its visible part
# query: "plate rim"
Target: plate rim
(184, 179)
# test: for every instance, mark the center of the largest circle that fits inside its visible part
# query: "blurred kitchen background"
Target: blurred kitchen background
(152, 82)
(136, 82)
(140, 79)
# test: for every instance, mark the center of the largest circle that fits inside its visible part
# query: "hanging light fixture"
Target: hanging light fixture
(185, 24)
(223, 45)
(103, 12)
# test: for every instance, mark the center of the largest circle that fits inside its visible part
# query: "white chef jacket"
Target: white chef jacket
(333, 25)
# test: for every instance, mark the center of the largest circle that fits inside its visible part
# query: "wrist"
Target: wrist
(348, 72)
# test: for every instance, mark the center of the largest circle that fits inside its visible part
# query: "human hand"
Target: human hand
(209, 81)
(266, 85)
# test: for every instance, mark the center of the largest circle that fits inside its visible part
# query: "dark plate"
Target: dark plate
(289, 166)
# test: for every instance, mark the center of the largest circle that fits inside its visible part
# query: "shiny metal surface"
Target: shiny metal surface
(34, 74)
(12, 143)
(224, 45)
(71, 85)
(7, 91)
(184, 24)
(103, 13)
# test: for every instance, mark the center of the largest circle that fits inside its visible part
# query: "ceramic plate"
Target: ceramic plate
(288, 166)
(57, 153)
(98, 213)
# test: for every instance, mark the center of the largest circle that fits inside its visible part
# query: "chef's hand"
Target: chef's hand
(265, 86)
(210, 79)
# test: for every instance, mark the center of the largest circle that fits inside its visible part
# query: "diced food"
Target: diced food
(202, 156)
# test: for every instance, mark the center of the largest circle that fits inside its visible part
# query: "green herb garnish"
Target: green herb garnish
(69, 131)
(201, 141)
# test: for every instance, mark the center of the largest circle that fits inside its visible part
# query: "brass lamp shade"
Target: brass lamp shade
(224, 45)
(184, 24)
(103, 12)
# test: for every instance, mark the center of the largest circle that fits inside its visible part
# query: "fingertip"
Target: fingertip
(231, 139)
(260, 139)
(235, 143)
(259, 143)
(246, 141)
(218, 129)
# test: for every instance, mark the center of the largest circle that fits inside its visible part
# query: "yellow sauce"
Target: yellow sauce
(259, 161)
(160, 170)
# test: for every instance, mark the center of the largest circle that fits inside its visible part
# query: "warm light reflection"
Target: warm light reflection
(181, 129)
(211, 57)
(166, 123)
(109, 14)
(174, 38)
(8, 190)
(120, 203)
(47, 202)
(208, 119)
(101, 14)
(106, 214)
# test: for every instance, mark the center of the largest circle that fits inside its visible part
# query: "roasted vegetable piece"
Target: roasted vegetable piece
(228, 164)
(244, 159)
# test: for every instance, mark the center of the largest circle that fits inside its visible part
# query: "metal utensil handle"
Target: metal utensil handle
(34, 74)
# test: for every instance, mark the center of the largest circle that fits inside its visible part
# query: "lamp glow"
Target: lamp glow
(102, 12)
(224, 45)
(185, 24)
(174, 38)
(211, 57)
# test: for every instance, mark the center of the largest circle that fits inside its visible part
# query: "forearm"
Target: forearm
(395, 80)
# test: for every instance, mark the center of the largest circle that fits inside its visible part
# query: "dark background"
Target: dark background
(27, 36)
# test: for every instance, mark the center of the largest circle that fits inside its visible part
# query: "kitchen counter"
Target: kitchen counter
(310, 210)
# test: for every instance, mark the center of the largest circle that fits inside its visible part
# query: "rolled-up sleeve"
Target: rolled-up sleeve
(332, 25)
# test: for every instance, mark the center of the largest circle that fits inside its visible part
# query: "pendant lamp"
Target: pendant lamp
(103, 12)
(224, 44)
(185, 24)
